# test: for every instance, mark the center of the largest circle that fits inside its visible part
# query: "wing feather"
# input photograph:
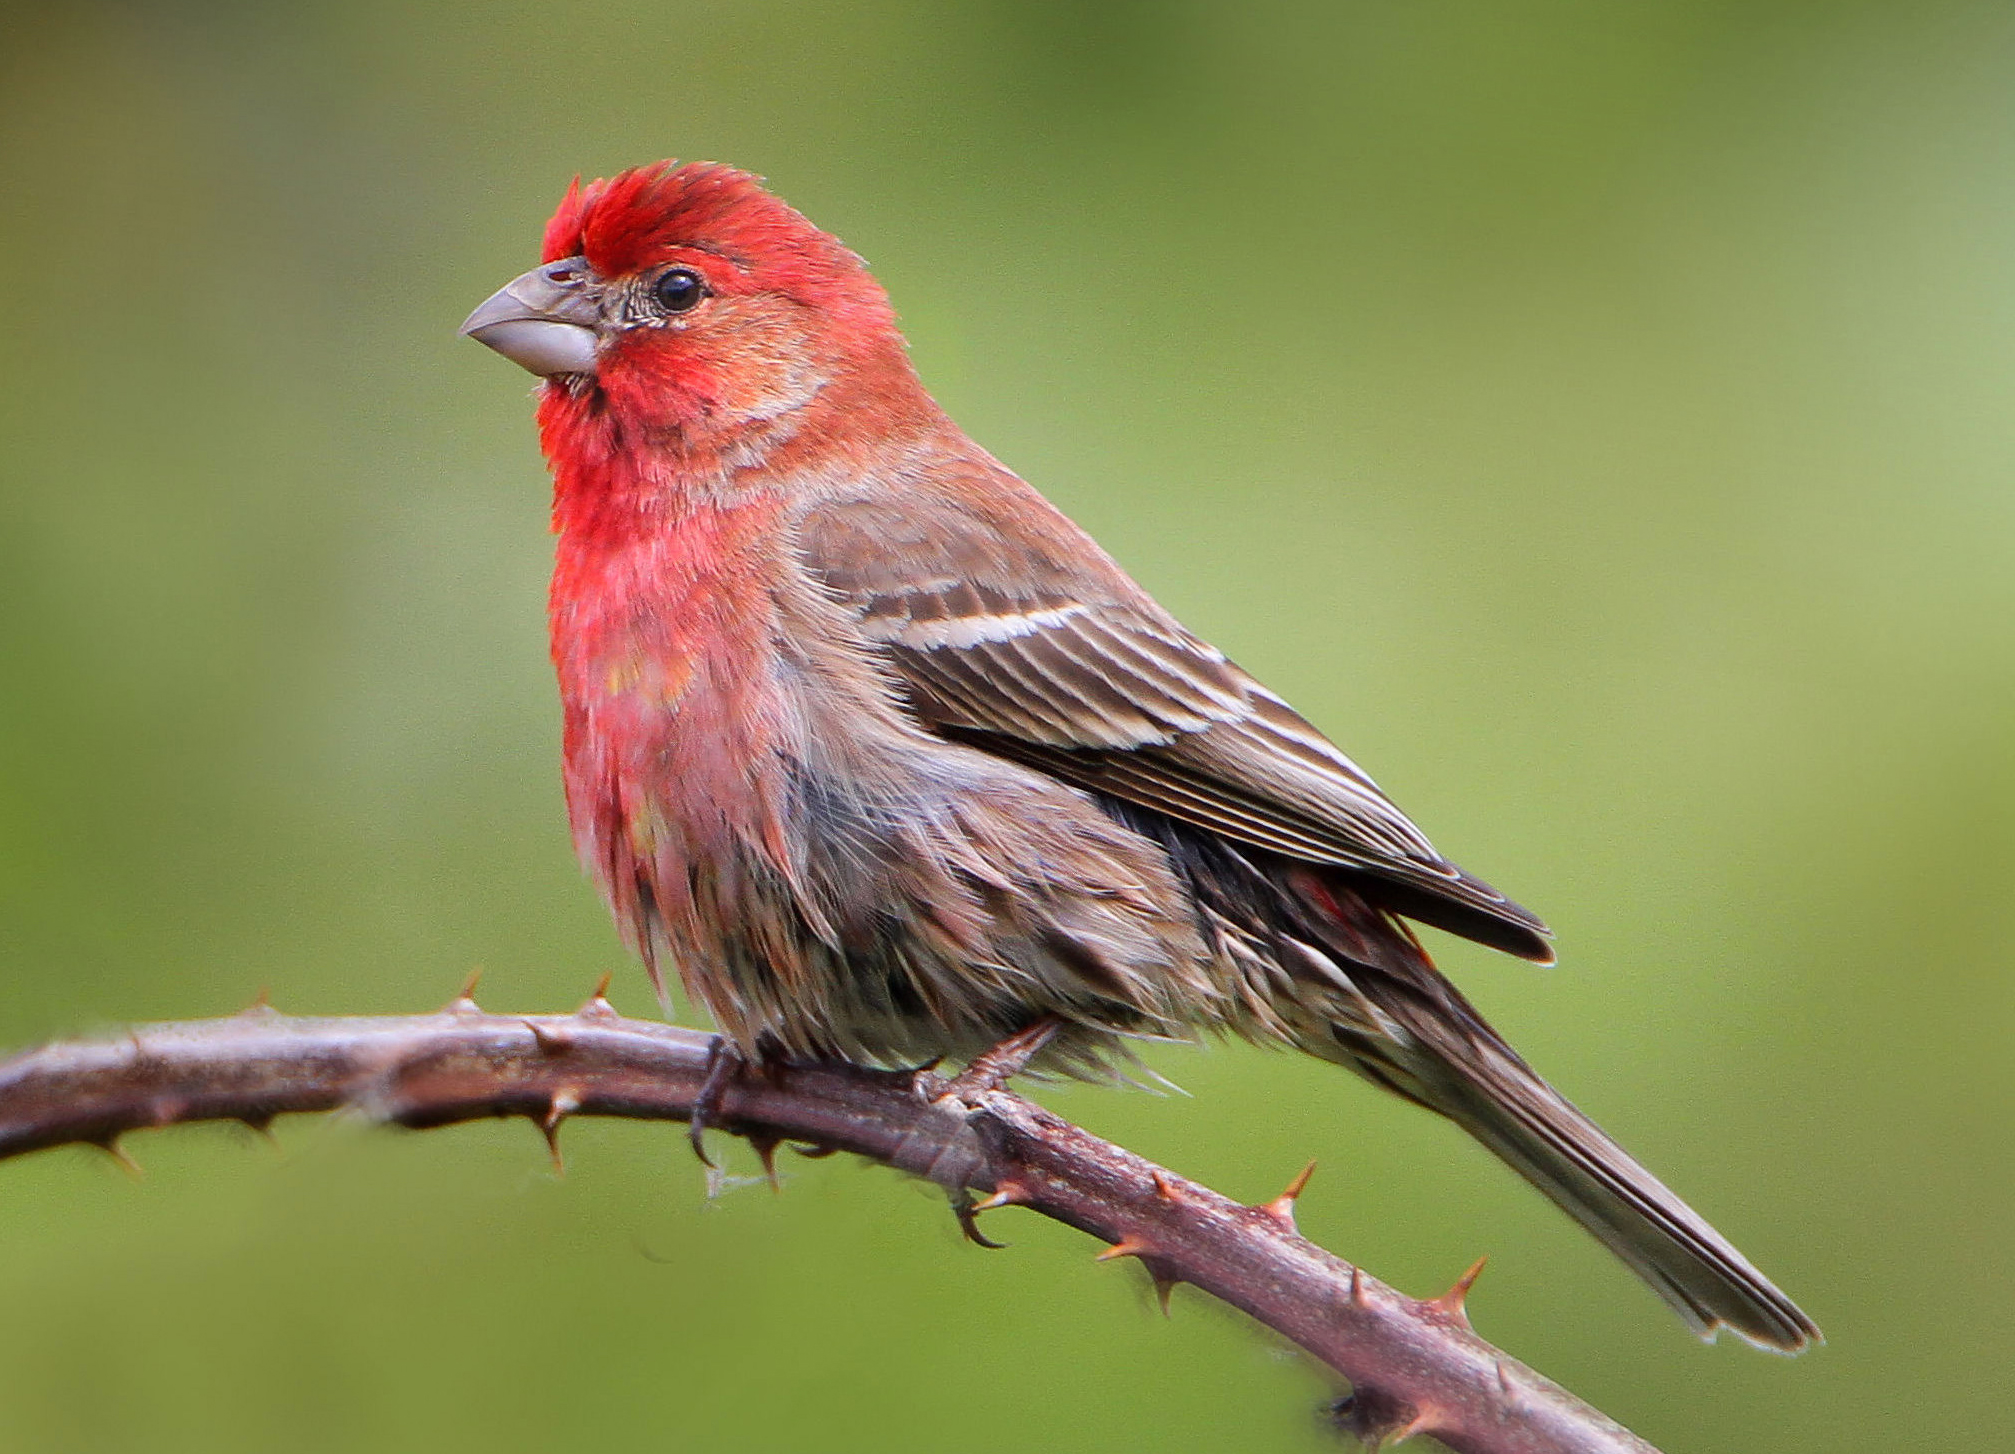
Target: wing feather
(1011, 630)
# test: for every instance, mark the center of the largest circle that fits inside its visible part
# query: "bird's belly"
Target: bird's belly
(877, 896)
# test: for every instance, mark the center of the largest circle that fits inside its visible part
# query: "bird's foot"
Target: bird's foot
(967, 1211)
(985, 1073)
(995, 1067)
(724, 1063)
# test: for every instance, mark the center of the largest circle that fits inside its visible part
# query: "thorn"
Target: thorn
(1281, 1208)
(260, 1007)
(1454, 1301)
(464, 1003)
(1356, 1285)
(765, 1148)
(1503, 1379)
(261, 1125)
(552, 1040)
(111, 1147)
(1164, 1287)
(1406, 1431)
(564, 1104)
(1005, 1194)
(1163, 1187)
(1397, 1433)
(1127, 1246)
(598, 1006)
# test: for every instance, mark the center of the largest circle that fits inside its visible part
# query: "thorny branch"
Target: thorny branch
(1415, 1366)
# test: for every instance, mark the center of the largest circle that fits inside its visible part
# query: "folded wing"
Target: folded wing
(1028, 641)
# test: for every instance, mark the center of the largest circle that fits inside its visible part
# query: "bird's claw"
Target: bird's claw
(966, 1210)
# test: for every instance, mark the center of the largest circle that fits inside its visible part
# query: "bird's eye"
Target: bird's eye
(678, 289)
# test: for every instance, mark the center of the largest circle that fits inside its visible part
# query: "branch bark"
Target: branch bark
(1415, 1366)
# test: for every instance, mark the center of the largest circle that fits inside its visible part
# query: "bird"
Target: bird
(888, 761)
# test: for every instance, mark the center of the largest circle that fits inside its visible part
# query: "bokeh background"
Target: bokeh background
(1597, 415)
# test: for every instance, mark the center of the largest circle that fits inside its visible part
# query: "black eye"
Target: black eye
(678, 289)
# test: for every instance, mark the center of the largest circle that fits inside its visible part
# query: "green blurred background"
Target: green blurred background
(1597, 415)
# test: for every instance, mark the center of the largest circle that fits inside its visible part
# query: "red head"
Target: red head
(691, 304)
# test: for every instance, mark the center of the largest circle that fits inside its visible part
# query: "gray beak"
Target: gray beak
(544, 320)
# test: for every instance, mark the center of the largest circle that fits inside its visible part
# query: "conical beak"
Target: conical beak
(544, 320)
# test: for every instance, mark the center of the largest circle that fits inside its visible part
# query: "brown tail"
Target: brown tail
(1458, 1066)
(1364, 993)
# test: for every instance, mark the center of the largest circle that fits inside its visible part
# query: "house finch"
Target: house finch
(891, 761)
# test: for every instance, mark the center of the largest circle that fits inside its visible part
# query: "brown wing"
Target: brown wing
(1013, 631)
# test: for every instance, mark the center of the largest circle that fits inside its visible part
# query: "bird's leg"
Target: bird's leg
(995, 1067)
(989, 1071)
(771, 1060)
(724, 1062)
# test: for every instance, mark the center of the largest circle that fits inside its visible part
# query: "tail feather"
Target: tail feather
(1471, 1076)
(1346, 979)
